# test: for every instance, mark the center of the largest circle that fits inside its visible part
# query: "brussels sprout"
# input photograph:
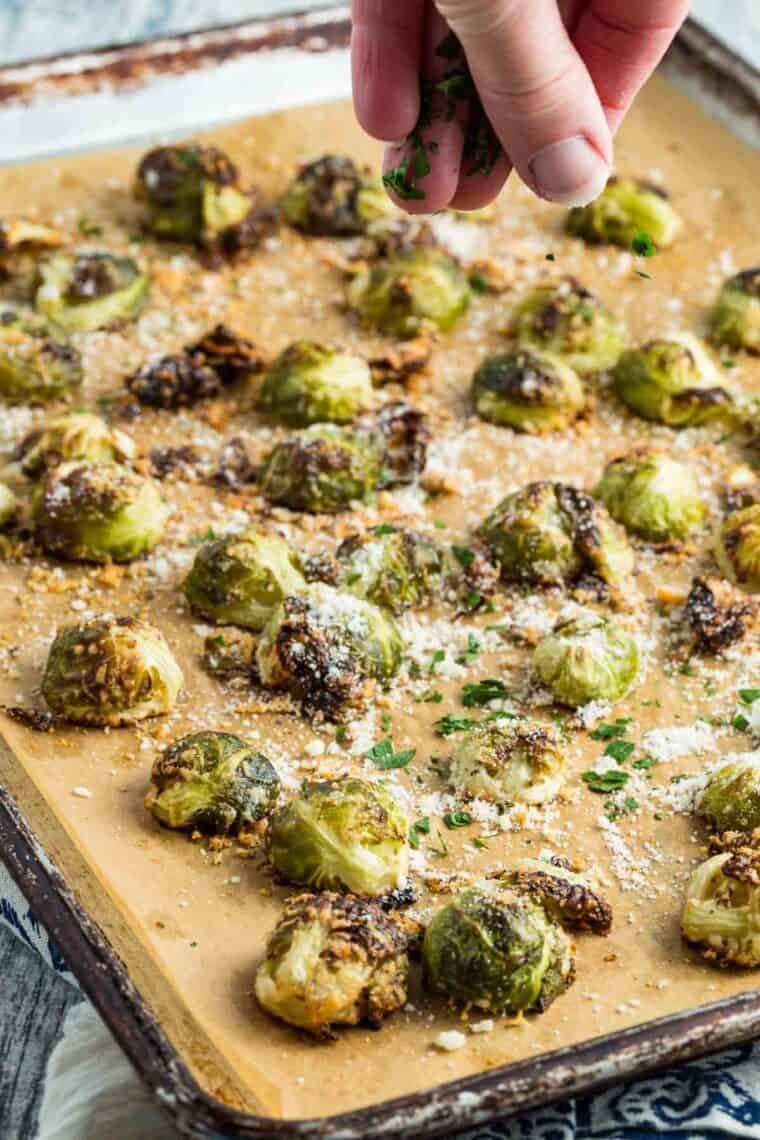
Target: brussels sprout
(411, 292)
(333, 960)
(737, 548)
(313, 383)
(587, 658)
(75, 435)
(240, 579)
(392, 567)
(229, 652)
(323, 468)
(671, 381)
(90, 512)
(717, 614)
(652, 495)
(508, 762)
(175, 381)
(527, 390)
(566, 320)
(233, 357)
(86, 291)
(345, 835)
(566, 896)
(333, 196)
(34, 367)
(191, 192)
(8, 505)
(626, 208)
(212, 782)
(404, 434)
(497, 949)
(735, 320)
(722, 911)
(324, 646)
(21, 232)
(110, 671)
(551, 533)
(731, 799)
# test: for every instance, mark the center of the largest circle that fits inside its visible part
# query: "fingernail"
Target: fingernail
(571, 172)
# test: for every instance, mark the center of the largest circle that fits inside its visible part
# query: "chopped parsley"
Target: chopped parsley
(432, 696)
(615, 808)
(457, 819)
(450, 723)
(418, 828)
(643, 245)
(749, 696)
(88, 228)
(644, 762)
(383, 528)
(198, 539)
(340, 733)
(384, 756)
(604, 782)
(397, 180)
(620, 750)
(606, 731)
(483, 692)
(740, 723)
(478, 283)
(436, 659)
(472, 651)
(385, 721)
(464, 556)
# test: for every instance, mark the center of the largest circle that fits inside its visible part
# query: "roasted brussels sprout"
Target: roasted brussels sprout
(722, 911)
(21, 232)
(551, 533)
(566, 320)
(565, 895)
(652, 495)
(411, 292)
(95, 512)
(324, 646)
(404, 433)
(737, 548)
(86, 291)
(735, 321)
(323, 468)
(240, 579)
(392, 567)
(35, 368)
(233, 357)
(110, 671)
(587, 658)
(333, 960)
(175, 381)
(192, 193)
(673, 382)
(75, 435)
(508, 762)
(626, 208)
(731, 799)
(212, 782)
(497, 949)
(333, 196)
(344, 835)
(229, 652)
(313, 383)
(527, 390)
(8, 505)
(717, 614)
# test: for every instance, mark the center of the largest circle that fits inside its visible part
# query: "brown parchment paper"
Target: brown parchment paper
(190, 922)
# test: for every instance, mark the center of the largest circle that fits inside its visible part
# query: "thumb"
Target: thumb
(537, 93)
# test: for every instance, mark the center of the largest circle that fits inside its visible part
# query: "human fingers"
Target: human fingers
(386, 42)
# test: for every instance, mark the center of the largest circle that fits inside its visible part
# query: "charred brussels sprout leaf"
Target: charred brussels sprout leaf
(35, 368)
(240, 579)
(212, 782)
(21, 232)
(530, 391)
(334, 197)
(233, 357)
(176, 381)
(652, 495)
(497, 949)
(192, 193)
(75, 435)
(587, 658)
(312, 383)
(566, 320)
(735, 321)
(110, 671)
(86, 291)
(410, 293)
(333, 960)
(672, 382)
(90, 512)
(717, 614)
(323, 468)
(721, 915)
(508, 762)
(566, 896)
(731, 799)
(626, 208)
(346, 835)
(404, 435)
(8, 505)
(737, 548)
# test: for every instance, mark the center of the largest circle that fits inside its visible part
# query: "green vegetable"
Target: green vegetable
(564, 319)
(34, 366)
(720, 915)
(625, 210)
(75, 435)
(673, 382)
(311, 383)
(410, 292)
(527, 390)
(735, 320)
(587, 658)
(323, 468)
(737, 548)
(507, 762)
(731, 799)
(383, 755)
(652, 495)
(86, 291)
(333, 196)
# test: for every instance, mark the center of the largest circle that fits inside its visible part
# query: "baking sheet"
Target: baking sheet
(184, 928)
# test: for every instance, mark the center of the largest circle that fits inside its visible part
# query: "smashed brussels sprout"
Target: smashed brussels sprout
(550, 533)
(313, 383)
(334, 197)
(35, 368)
(95, 512)
(508, 762)
(626, 209)
(324, 646)
(8, 505)
(672, 382)
(87, 291)
(735, 321)
(566, 320)
(392, 567)
(731, 799)
(497, 949)
(212, 782)
(192, 193)
(323, 468)
(232, 356)
(410, 293)
(333, 960)
(587, 658)
(229, 652)
(737, 548)
(652, 495)
(527, 390)
(404, 434)
(565, 895)
(722, 911)
(75, 435)
(717, 614)
(240, 579)
(344, 835)
(110, 671)
(178, 380)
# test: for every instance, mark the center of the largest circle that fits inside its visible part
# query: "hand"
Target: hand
(554, 77)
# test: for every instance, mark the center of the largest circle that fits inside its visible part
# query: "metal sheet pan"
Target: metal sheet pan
(42, 93)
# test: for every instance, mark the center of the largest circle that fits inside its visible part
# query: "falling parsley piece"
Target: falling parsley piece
(420, 827)
(643, 245)
(457, 819)
(397, 180)
(604, 782)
